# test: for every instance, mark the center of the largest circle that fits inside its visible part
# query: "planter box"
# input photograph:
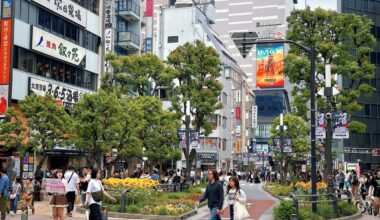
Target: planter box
(184, 216)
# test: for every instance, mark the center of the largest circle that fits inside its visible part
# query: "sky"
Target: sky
(326, 4)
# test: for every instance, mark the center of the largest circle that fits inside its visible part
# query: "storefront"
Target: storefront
(207, 160)
(61, 158)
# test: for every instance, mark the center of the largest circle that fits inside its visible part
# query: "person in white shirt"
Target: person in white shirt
(72, 189)
(95, 187)
(234, 194)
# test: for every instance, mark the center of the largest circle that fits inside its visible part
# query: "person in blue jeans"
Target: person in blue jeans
(214, 195)
(234, 194)
(16, 191)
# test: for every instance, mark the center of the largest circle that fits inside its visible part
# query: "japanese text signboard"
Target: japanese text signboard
(6, 9)
(54, 186)
(5, 51)
(65, 94)
(67, 9)
(56, 47)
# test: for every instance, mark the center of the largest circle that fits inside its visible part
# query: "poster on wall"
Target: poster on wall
(210, 143)
(4, 89)
(269, 66)
(320, 130)
(340, 125)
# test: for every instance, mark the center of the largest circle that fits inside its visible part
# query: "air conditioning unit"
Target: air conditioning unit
(232, 110)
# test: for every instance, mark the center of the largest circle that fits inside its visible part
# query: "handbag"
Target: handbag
(13, 195)
(98, 196)
(241, 211)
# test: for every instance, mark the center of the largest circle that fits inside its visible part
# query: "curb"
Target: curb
(277, 197)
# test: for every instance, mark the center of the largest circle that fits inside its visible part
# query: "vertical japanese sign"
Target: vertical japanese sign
(6, 42)
(149, 8)
(320, 131)
(238, 112)
(269, 66)
(254, 116)
(340, 125)
(108, 32)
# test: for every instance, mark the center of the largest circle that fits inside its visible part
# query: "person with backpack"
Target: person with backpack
(234, 195)
(354, 182)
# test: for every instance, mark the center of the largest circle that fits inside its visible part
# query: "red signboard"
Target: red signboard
(149, 8)
(5, 50)
(238, 113)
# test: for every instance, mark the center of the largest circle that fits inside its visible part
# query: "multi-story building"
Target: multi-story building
(235, 20)
(50, 47)
(181, 22)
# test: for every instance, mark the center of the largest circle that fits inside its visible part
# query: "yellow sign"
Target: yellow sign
(238, 146)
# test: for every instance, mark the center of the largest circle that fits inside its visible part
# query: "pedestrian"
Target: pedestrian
(354, 182)
(4, 193)
(155, 176)
(84, 178)
(94, 195)
(72, 189)
(375, 183)
(58, 201)
(214, 195)
(340, 180)
(234, 194)
(27, 193)
(16, 195)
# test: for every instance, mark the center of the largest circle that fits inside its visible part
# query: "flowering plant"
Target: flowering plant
(130, 183)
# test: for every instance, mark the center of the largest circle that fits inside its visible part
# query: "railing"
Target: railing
(127, 36)
(334, 198)
(127, 5)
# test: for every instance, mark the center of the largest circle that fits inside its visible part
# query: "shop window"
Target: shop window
(46, 67)
(54, 70)
(55, 24)
(61, 27)
(39, 66)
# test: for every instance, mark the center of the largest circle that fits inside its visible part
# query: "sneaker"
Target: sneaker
(13, 214)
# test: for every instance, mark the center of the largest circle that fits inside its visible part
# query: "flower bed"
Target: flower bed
(143, 199)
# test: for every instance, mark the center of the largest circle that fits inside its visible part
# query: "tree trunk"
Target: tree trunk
(161, 171)
(131, 165)
(40, 163)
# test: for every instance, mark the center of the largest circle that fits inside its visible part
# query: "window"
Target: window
(213, 119)
(367, 109)
(263, 130)
(224, 122)
(55, 24)
(173, 39)
(224, 98)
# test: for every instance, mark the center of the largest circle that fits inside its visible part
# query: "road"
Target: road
(260, 204)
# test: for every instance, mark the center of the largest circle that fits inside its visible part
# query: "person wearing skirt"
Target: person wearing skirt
(58, 202)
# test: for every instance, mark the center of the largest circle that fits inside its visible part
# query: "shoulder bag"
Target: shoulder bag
(13, 195)
(241, 211)
(98, 196)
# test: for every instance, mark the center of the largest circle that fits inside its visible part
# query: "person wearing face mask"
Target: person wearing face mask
(58, 202)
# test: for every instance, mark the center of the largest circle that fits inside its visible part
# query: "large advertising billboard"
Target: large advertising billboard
(269, 66)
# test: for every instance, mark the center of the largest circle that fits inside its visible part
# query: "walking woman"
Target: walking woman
(234, 195)
(58, 202)
(94, 195)
(16, 194)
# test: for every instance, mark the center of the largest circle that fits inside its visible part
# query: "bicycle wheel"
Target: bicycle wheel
(369, 209)
(360, 206)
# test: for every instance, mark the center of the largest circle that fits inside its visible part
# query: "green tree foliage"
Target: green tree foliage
(144, 73)
(196, 71)
(297, 131)
(96, 119)
(12, 133)
(49, 124)
(342, 40)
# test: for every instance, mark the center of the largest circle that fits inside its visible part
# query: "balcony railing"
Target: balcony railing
(127, 36)
(127, 5)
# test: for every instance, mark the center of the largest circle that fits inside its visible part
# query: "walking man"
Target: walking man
(214, 195)
(72, 189)
(4, 193)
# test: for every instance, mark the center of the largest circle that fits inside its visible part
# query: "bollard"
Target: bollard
(294, 217)
(24, 213)
(104, 213)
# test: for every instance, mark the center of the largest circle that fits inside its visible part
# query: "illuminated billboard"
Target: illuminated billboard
(269, 66)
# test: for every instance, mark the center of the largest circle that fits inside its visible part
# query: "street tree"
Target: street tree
(13, 133)
(159, 131)
(49, 124)
(144, 74)
(342, 40)
(297, 131)
(196, 71)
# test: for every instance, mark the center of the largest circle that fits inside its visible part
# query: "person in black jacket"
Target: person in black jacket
(214, 195)
(375, 182)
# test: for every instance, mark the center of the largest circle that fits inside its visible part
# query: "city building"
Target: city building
(179, 22)
(235, 22)
(49, 47)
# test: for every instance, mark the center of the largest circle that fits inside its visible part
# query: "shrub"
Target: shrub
(162, 211)
(346, 209)
(284, 210)
(134, 209)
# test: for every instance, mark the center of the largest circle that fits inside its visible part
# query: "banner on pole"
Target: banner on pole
(340, 125)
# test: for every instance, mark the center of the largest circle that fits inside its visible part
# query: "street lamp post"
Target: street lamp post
(282, 129)
(328, 146)
(311, 52)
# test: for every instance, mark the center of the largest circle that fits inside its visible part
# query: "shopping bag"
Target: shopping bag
(241, 211)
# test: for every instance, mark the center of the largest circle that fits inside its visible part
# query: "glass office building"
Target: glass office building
(360, 146)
